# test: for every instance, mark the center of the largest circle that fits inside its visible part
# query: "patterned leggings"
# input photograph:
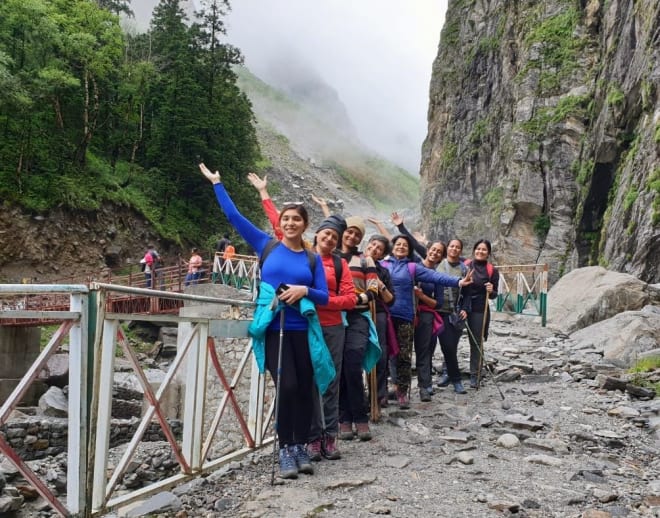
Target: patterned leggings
(404, 335)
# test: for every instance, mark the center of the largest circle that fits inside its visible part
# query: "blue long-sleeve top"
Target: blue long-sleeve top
(435, 291)
(403, 282)
(283, 265)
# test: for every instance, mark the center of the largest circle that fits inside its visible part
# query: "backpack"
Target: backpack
(311, 256)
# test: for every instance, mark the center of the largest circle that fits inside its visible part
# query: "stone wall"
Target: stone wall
(38, 437)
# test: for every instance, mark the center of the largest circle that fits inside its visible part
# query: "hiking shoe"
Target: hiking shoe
(346, 431)
(301, 458)
(424, 395)
(383, 402)
(329, 448)
(458, 388)
(443, 381)
(403, 400)
(473, 381)
(391, 395)
(314, 450)
(288, 466)
(363, 432)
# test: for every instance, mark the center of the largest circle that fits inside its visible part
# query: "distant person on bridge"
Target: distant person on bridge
(220, 248)
(151, 262)
(194, 267)
(291, 346)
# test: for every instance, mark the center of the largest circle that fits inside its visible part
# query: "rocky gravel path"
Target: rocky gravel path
(563, 447)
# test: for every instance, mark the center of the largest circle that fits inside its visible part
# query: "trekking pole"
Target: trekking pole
(481, 343)
(492, 374)
(277, 396)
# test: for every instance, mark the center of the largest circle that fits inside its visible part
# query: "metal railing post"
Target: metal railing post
(79, 378)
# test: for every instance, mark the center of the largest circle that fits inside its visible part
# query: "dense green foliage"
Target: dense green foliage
(90, 114)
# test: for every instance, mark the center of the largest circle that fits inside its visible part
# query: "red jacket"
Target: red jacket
(330, 314)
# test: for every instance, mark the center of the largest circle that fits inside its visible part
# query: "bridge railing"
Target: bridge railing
(523, 289)
(219, 387)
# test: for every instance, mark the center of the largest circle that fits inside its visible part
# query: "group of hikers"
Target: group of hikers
(326, 312)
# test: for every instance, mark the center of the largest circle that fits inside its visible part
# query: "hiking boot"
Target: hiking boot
(458, 388)
(288, 466)
(301, 458)
(314, 450)
(329, 448)
(424, 395)
(473, 381)
(363, 432)
(403, 400)
(346, 431)
(443, 381)
(383, 402)
(391, 395)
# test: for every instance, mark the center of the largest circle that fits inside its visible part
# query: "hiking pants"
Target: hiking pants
(423, 348)
(404, 335)
(449, 339)
(351, 392)
(295, 406)
(334, 339)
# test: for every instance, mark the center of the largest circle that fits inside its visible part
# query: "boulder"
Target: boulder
(588, 295)
(56, 371)
(170, 402)
(54, 403)
(624, 337)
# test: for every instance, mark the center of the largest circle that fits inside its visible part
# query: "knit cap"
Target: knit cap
(334, 222)
(357, 222)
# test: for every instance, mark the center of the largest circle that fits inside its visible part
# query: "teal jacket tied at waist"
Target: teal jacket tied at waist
(324, 368)
(373, 352)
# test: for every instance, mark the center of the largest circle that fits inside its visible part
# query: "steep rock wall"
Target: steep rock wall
(544, 131)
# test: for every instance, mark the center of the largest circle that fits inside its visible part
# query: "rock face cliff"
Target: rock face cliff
(544, 132)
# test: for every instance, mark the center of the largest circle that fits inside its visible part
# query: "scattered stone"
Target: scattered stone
(358, 482)
(54, 403)
(529, 391)
(379, 508)
(554, 445)
(545, 460)
(596, 513)
(522, 421)
(608, 434)
(590, 475)
(610, 383)
(509, 375)
(508, 440)
(465, 458)
(455, 437)
(623, 411)
(396, 461)
(503, 505)
(165, 502)
(605, 496)
(640, 392)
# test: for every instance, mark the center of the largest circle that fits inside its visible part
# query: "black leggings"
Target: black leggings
(295, 406)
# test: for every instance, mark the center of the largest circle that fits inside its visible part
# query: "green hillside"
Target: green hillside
(374, 177)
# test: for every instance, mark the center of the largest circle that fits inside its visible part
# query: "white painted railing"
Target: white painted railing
(94, 336)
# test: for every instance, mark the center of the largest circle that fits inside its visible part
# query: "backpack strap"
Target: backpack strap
(270, 246)
(336, 261)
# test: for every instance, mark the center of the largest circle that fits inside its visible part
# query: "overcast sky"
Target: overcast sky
(377, 54)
